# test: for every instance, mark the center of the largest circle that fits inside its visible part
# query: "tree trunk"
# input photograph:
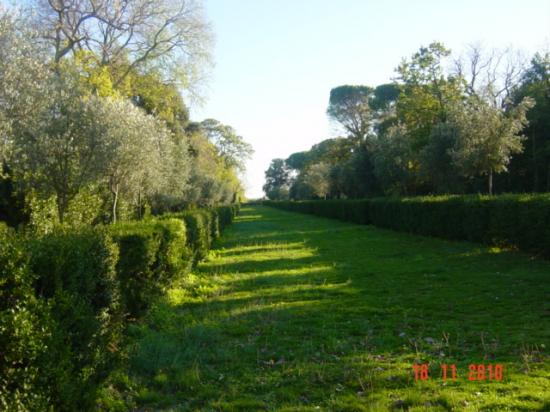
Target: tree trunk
(490, 183)
(535, 168)
(115, 200)
(139, 204)
(61, 207)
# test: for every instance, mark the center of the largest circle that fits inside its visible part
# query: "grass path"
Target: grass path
(298, 313)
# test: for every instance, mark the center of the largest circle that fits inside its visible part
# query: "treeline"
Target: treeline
(93, 127)
(477, 123)
(67, 299)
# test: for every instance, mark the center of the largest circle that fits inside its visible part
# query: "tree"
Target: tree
(24, 78)
(487, 137)
(331, 151)
(277, 180)
(437, 164)
(142, 158)
(211, 181)
(299, 189)
(356, 178)
(532, 168)
(426, 92)
(395, 163)
(171, 35)
(106, 111)
(12, 202)
(490, 75)
(61, 148)
(350, 107)
(231, 147)
(383, 104)
(317, 176)
(298, 160)
(163, 100)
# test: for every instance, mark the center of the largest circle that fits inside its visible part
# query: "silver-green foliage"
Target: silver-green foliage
(487, 137)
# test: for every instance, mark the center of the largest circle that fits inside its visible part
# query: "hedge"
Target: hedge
(513, 221)
(152, 253)
(66, 299)
(75, 277)
(23, 330)
(226, 215)
(204, 225)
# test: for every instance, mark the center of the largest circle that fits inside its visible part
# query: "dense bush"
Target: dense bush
(65, 297)
(23, 330)
(516, 221)
(213, 223)
(203, 226)
(198, 231)
(75, 279)
(174, 257)
(221, 217)
(226, 215)
(152, 253)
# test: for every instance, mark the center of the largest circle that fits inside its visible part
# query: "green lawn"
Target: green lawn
(297, 313)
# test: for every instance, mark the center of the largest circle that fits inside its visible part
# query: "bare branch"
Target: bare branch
(142, 33)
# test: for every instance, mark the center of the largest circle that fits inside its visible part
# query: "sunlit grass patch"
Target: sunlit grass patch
(298, 313)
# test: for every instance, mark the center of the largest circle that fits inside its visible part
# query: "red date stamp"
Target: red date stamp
(476, 372)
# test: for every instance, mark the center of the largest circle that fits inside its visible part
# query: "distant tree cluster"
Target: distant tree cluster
(475, 123)
(93, 126)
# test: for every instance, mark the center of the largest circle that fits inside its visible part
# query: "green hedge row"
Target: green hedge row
(152, 253)
(516, 221)
(204, 225)
(67, 297)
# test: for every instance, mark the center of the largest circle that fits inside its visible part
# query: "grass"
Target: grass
(298, 313)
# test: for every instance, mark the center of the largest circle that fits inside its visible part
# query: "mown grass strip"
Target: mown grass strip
(295, 312)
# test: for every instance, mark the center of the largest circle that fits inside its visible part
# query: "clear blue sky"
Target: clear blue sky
(276, 60)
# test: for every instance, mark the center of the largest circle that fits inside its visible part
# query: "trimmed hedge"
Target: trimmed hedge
(226, 214)
(204, 226)
(24, 331)
(76, 280)
(66, 298)
(59, 319)
(199, 232)
(152, 253)
(515, 221)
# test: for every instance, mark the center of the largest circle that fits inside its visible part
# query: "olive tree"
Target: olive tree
(23, 77)
(60, 149)
(487, 137)
(142, 157)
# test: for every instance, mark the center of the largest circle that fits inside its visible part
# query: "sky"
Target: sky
(277, 60)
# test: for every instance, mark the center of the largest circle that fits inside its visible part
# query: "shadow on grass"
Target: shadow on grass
(301, 312)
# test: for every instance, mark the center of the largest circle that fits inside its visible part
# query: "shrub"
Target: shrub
(198, 231)
(225, 216)
(152, 253)
(173, 257)
(213, 223)
(203, 226)
(76, 281)
(24, 331)
(516, 221)
(63, 297)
